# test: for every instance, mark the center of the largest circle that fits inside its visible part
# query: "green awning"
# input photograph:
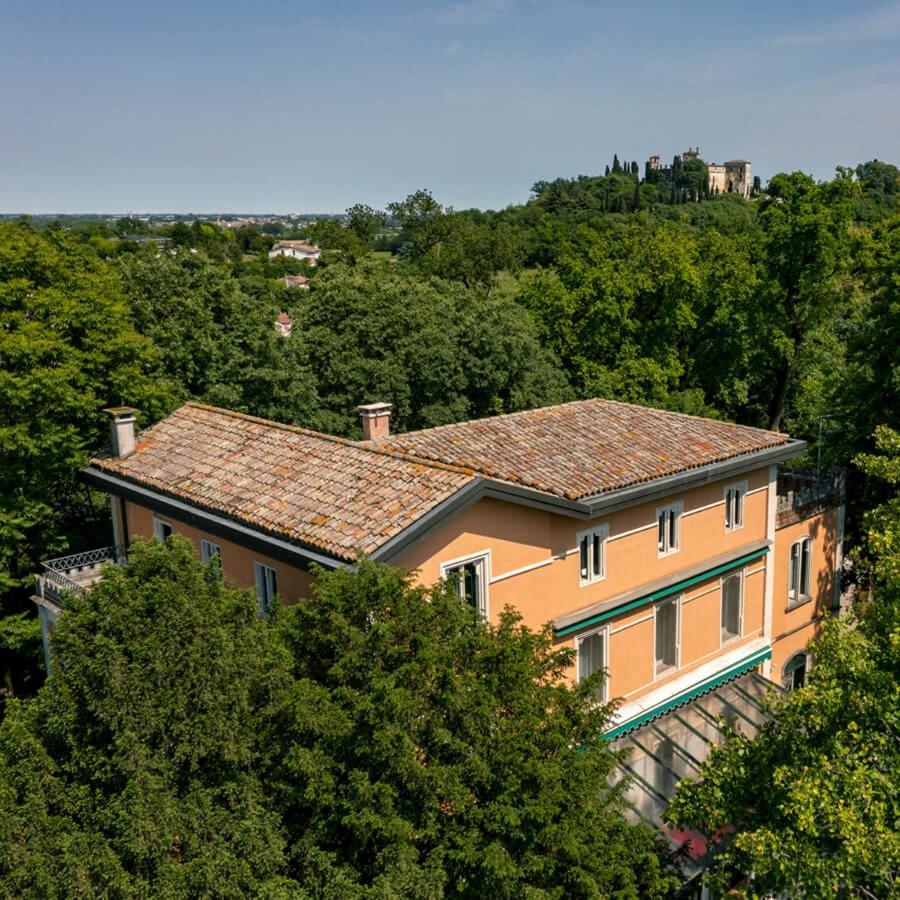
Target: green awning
(685, 696)
(666, 591)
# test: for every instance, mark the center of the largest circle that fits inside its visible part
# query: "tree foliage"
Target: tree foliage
(439, 352)
(376, 740)
(68, 348)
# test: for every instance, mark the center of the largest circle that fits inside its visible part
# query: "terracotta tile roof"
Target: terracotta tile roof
(305, 246)
(318, 491)
(584, 448)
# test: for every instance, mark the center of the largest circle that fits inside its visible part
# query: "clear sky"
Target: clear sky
(299, 106)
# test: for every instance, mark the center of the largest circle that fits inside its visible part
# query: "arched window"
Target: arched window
(795, 672)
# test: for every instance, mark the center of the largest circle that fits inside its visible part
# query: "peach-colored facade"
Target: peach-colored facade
(237, 561)
(795, 625)
(532, 563)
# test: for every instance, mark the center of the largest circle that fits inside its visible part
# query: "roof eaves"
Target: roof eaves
(213, 520)
(681, 480)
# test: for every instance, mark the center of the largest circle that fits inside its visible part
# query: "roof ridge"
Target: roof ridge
(332, 438)
(583, 400)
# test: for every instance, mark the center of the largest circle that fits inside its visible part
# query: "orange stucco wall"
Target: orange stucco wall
(792, 629)
(534, 567)
(237, 561)
(544, 545)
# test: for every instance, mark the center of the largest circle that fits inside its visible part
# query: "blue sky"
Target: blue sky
(202, 106)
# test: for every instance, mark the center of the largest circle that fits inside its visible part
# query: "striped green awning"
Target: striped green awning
(686, 696)
(675, 588)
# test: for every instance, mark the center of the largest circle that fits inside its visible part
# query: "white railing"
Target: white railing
(74, 573)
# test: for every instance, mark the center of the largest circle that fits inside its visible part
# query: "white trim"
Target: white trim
(800, 597)
(484, 557)
(769, 590)
(206, 551)
(521, 571)
(763, 487)
(588, 534)
(722, 661)
(115, 508)
(158, 524)
(838, 555)
(697, 596)
(656, 606)
(697, 509)
(740, 633)
(631, 624)
(622, 534)
(741, 488)
(265, 585)
(755, 571)
(677, 506)
(576, 641)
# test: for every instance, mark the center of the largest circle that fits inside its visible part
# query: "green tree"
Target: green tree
(439, 352)
(814, 797)
(442, 756)
(132, 773)
(365, 222)
(69, 348)
(377, 739)
(217, 343)
(804, 247)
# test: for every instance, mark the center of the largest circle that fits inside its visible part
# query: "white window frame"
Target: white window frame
(738, 490)
(266, 581)
(604, 632)
(740, 633)
(600, 532)
(668, 549)
(665, 673)
(796, 597)
(159, 525)
(209, 549)
(483, 557)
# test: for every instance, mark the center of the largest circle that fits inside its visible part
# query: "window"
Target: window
(734, 506)
(668, 528)
(592, 554)
(471, 579)
(208, 550)
(731, 607)
(592, 657)
(162, 529)
(798, 574)
(266, 587)
(667, 635)
(795, 672)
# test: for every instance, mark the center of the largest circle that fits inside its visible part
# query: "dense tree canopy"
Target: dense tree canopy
(439, 352)
(375, 740)
(68, 348)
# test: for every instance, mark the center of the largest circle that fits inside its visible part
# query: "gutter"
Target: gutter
(251, 538)
(585, 508)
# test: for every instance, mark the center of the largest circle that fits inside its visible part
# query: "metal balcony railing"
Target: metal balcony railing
(801, 494)
(74, 573)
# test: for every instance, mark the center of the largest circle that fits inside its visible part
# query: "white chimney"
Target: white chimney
(376, 420)
(121, 427)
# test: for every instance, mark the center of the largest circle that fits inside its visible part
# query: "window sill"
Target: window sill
(724, 640)
(587, 583)
(665, 672)
(796, 604)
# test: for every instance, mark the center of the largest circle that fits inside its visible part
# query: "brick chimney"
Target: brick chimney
(121, 427)
(376, 420)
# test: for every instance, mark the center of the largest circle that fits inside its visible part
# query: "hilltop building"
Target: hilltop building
(732, 177)
(665, 549)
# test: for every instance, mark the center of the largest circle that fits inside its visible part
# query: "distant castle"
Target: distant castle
(732, 177)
